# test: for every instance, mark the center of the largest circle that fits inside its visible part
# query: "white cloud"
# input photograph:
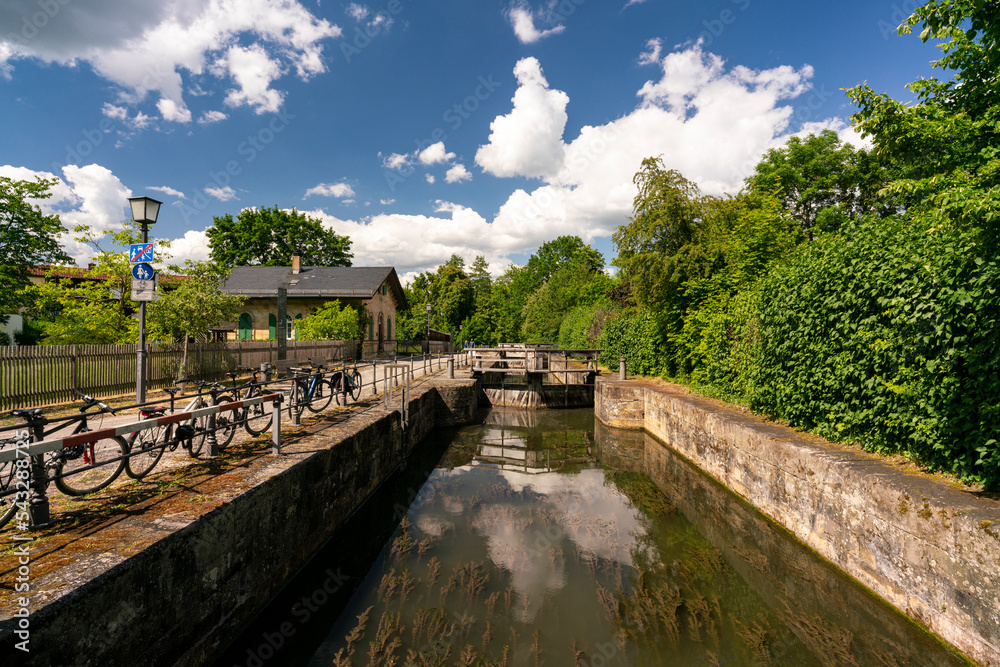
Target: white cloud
(434, 154)
(168, 191)
(356, 11)
(457, 174)
(222, 194)
(528, 140)
(633, 2)
(430, 178)
(339, 190)
(522, 19)
(213, 116)
(652, 55)
(193, 245)
(396, 161)
(148, 48)
(253, 70)
(387, 202)
(116, 112)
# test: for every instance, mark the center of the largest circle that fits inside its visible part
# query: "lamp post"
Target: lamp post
(144, 211)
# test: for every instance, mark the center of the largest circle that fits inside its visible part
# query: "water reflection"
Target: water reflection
(536, 542)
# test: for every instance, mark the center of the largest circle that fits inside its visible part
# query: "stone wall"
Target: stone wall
(178, 600)
(928, 548)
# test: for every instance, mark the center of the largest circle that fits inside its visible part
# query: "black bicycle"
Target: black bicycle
(346, 383)
(310, 389)
(256, 418)
(75, 470)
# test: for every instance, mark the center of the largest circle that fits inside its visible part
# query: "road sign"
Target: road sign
(143, 271)
(144, 290)
(140, 252)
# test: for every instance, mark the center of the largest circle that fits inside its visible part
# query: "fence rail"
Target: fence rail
(47, 374)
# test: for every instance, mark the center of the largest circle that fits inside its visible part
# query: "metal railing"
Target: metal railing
(20, 442)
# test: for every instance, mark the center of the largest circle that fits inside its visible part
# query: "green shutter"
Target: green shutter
(272, 326)
(245, 330)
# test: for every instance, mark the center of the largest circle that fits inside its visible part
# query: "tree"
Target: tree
(96, 307)
(194, 305)
(27, 237)
(271, 236)
(818, 178)
(333, 321)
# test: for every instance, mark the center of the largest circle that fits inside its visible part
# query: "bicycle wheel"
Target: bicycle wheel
(355, 385)
(258, 416)
(8, 482)
(99, 453)
(225, 423)
(321, 396)
(145, 449)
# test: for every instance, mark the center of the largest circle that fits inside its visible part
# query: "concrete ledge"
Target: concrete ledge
(928, 548)
(189, 580)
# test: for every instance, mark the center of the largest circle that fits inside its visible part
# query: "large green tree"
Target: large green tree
(27, 237)
(271, 236)
(821, 180)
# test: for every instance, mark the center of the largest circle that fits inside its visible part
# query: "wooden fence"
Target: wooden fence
(47, 374)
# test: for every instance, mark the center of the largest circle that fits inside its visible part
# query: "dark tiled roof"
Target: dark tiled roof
(359, 282)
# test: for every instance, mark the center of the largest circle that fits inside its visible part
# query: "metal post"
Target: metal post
(276, 427)
(451, 369)
(38, 501)
(621, 368)
(210, 440)
(140, 352)
(279, 330)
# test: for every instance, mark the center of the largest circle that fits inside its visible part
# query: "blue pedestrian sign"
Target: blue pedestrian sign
(143, 271)
(140, 252)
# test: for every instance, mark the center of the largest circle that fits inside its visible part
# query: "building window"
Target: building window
(245, 328)
(289, 328)
(272, 327)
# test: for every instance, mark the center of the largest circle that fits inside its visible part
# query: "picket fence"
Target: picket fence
(40, 375)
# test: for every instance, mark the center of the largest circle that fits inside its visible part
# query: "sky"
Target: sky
(422, 128)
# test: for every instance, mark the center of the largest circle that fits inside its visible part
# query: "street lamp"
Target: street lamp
(144, 211)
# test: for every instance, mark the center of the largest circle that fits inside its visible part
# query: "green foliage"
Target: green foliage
(888, 336)
(27, 237)
(821, 181)
(581, 328)
(334, 321)
(579, 281)
(633, 334)
(271, 236)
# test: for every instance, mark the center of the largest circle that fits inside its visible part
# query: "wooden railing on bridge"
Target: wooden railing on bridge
(543, 359)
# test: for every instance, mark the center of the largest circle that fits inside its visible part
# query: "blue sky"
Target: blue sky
(422, 128)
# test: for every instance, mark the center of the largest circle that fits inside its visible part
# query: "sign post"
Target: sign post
(144, 211)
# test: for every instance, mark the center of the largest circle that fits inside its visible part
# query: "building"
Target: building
(377, 288)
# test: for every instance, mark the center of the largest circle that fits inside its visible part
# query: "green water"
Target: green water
(538, 541)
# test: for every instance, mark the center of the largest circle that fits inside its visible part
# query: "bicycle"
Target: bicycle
(351, 383)
(256, 418)
(146, 447)
(311, 391)
(76, 470)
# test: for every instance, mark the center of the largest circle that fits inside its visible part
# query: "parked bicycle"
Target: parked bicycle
(346, 383)
(148, 445)
(255, 418)
(76, 470)
(310, 389)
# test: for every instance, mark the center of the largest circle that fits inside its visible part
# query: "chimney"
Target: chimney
(296, 264)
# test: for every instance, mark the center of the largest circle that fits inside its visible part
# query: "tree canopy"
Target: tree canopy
(271, 236)
(27, 237)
